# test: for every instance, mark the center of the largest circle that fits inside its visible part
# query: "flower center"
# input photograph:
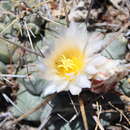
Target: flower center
(69, 64)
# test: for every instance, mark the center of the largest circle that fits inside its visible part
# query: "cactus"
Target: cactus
(25, 24)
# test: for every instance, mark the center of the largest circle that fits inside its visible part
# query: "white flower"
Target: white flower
(71, 66)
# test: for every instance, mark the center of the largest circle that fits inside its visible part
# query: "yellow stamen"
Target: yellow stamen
(69, 63)
(66, 63)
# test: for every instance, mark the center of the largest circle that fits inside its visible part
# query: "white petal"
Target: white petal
(62, 86)
(110, 67)
(91, 69)
(50, 89)
(97, 60)
(112, 64)
(83, 82)
(95, 43)
(93, 48)
(75, 90)
(101, 76)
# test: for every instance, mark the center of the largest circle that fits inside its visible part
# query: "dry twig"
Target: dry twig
(97, 120)
(120, 112)
(66, 13)
(82, 109)
(24, 48)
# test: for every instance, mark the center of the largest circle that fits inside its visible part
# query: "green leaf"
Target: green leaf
(125, 87)
(6, 51)
(34, 83)
(3, 68)
(25, 102)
